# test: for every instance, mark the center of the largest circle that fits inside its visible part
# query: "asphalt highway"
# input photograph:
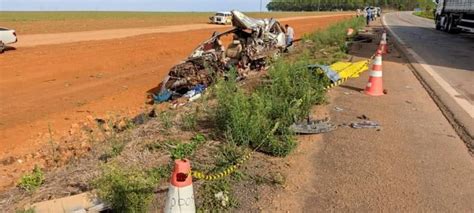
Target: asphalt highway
(445, 61)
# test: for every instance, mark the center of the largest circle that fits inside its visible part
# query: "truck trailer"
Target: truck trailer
(454, 16)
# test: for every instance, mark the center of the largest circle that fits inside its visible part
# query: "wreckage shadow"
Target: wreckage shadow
(9, 48)
(357, 89)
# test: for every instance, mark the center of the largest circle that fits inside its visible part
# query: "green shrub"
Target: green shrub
(334, 38)
(117, 145)
(216, 196)
(249, 120)
(425, 14)
(29, 210)
(185, 150)
(242, 118)
(159, 173)
(31, 182)
(227, 155)
(126, 190)
(166, 120)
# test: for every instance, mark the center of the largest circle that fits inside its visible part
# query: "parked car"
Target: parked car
(7, 36)
(221, 18)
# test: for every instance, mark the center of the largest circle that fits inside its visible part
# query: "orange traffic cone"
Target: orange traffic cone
(180, 193)
(383, 43)
(375, 87)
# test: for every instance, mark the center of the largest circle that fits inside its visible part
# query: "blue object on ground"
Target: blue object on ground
(162, 96)
(331, 74)
(199, 88)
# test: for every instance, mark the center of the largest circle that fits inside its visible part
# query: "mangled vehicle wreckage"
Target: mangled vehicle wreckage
(253, 42)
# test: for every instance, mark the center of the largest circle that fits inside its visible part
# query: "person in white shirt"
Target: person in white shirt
(290, 35)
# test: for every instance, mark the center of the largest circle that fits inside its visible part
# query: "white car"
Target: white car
(221, 18)
(7, 36)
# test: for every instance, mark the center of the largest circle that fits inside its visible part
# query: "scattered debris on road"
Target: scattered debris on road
(366, 124)
(363, 117)
(313, 127)
(338, 109)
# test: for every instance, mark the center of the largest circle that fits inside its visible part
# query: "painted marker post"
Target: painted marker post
(180, 193)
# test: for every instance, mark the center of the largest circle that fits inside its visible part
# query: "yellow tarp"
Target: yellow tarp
(350, 70)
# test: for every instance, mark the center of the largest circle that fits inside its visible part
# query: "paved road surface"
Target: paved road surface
(448, 58)
(415, 163)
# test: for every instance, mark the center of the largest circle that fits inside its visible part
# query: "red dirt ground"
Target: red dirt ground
(60, 85)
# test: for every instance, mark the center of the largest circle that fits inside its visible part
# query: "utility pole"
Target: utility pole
(261, 5)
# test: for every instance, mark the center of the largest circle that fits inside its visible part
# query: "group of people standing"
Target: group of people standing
(370, 13)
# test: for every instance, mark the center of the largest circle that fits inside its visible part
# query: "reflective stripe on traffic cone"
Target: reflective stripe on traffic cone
(383, 43)
(180, 193)
(374, 86)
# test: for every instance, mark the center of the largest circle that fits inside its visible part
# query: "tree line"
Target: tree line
(330, 5)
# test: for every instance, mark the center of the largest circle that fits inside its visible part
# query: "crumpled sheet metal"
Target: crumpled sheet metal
(366, 124)
(313, 127)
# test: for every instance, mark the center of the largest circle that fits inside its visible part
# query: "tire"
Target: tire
(445, 24)
(449, 25)
(2, 47)
(452, 27)
(437, 23)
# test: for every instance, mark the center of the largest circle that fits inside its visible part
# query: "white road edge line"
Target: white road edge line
(463, 103)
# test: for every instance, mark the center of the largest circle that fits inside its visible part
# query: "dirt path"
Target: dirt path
(61, 38)
(62, 85)
(416, 162)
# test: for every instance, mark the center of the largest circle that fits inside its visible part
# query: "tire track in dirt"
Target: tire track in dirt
(61, 38)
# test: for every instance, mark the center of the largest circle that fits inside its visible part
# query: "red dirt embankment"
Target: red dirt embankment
(57, 86)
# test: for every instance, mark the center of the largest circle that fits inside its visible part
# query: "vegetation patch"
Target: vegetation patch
(261, 119)
(128, 190)
(424, 14)
(216, 196)
(427, 9)
(31, 182)
(234, 121)
(185, 150)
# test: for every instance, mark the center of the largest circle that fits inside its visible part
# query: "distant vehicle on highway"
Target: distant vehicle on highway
(7, 36)
(454, 16)
(221, 18)
(378, 10)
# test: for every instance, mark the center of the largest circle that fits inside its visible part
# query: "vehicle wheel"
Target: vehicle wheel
(452, 27)
(445, 24)
(449, 27)
(2, 47)
(437, 24)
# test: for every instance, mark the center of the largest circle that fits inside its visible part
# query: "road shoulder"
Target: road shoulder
(461, 120)
(416, 162)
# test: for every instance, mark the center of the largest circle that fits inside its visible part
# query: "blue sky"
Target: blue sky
(133, 5)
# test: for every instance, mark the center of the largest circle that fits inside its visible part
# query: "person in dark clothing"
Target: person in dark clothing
(369, 15)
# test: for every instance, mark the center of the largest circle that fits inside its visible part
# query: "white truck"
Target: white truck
(221, 18)
(7, 36)
(454, 16)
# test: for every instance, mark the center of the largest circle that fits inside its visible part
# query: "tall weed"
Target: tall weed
(262, 119)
